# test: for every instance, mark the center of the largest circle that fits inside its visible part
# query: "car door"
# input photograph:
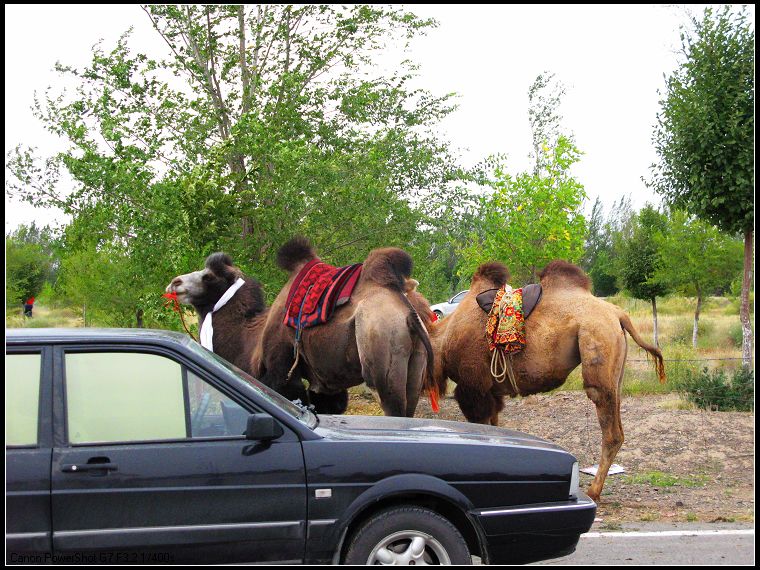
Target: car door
(28, 450)
(152, 466)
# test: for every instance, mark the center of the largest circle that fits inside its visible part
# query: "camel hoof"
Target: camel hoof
(593, 495)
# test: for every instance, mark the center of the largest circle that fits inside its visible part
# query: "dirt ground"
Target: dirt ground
(680, 464)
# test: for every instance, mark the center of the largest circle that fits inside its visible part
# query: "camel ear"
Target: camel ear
(218, 262)
(411, 285)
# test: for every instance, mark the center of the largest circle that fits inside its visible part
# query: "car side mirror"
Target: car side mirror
(262, 427)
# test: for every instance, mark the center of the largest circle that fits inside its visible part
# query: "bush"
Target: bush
(684, 330)
(736, 335)
(714, 391)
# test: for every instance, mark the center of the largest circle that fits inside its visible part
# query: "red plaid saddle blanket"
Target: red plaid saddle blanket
(316, 292)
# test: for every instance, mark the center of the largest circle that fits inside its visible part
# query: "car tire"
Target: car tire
(407, 535)
(439, 314)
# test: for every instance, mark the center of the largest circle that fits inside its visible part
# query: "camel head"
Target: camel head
(205, 287)
(491, 275)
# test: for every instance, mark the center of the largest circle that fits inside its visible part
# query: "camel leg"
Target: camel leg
(478, 407)
(329, 403)
(498, 407)
(601, 378)
(414, 377)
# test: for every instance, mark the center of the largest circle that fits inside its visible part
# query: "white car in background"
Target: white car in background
(445, 309)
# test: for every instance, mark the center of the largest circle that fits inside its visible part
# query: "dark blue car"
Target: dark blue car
(136, 446)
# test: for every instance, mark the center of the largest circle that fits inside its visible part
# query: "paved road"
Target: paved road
(653, 543)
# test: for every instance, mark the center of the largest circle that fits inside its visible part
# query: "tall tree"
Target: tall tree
(30, 261)
(598, 252)
(261, 122)
(705, 134)
(530, 219)
(697, 258)
(641, 259)
(544, 101)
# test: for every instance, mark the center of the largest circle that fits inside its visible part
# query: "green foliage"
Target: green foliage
(220, 147)
(713, 390)
(599, 253)
(705, 129)
(30, 262)
(531, 219)
(641, 259)
(697, 258)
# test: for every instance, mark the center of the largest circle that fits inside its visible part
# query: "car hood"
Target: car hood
(416, 429)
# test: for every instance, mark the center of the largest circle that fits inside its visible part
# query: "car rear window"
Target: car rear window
(22, 398)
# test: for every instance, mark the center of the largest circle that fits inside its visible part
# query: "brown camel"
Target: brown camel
(376, 337)
(568, 327)
(238, 324)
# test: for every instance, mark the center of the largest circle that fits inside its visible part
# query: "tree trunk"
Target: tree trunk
(747, 337)
(654, 315)
(139, 315)
(696, 317)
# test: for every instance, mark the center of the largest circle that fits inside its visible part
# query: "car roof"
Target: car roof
(62, 335)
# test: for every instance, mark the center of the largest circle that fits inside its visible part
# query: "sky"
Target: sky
(611, 60)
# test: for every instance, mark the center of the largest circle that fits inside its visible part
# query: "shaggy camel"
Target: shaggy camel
(238, 324)
(567, 328)
(376, 337)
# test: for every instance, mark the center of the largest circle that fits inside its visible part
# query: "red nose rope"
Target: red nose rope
(173, 302)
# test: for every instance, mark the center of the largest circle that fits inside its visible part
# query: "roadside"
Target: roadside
(666, 544)
(681, 465)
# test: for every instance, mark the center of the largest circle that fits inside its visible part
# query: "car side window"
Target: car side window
(211, 412)
(124, 396)
(458, 297)
(22, 398)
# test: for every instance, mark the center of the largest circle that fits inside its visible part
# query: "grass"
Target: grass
(660, 479)
(44, 316)
(691, 517)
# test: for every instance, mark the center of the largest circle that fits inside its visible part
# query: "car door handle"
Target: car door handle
(72, 468)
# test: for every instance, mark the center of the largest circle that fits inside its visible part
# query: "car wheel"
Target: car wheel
(439, 314)
(407, 535)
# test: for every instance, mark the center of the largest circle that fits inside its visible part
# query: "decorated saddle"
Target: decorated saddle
(507, 310)
(317, 291)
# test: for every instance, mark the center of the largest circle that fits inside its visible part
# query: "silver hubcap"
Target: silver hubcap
(409, 548)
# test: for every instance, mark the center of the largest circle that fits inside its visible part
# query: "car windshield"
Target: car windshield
(295, 408)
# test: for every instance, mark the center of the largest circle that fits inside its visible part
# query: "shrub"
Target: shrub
(714, 391)
(736, 335)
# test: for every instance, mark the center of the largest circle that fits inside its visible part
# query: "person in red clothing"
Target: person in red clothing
(28, 306)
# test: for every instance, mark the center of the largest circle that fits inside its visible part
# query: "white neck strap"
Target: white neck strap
(207, 329)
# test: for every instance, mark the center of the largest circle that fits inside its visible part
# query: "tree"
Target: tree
(531, 219)
(697, 258)
(598, 253)
(641, 259)
(262, 123)
(705, 134)
(30, 262)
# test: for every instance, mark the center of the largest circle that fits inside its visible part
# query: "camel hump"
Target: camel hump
(493, 271)
(295, 252)
(563, 274)
(389, 267)
(218, 261)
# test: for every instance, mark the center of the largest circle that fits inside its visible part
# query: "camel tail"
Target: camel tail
(414, 322)
(625, 322)
(293, 254)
